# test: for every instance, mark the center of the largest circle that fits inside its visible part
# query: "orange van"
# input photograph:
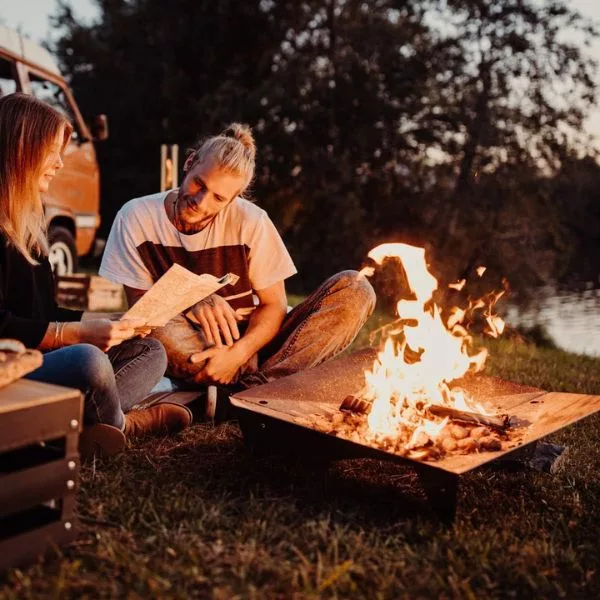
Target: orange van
(73, 201)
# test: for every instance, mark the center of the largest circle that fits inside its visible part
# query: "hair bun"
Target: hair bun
(242, 133)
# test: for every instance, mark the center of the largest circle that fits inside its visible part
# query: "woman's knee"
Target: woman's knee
(156, 356)
(91, 368)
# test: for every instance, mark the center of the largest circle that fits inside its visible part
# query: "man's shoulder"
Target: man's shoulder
(144, 205)
(247, 211)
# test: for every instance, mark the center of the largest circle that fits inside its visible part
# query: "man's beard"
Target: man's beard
(180, 209)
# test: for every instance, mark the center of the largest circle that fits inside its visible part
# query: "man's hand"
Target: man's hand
(217, 319)
(222, 364)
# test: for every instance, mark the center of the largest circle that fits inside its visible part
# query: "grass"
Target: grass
(195, 516)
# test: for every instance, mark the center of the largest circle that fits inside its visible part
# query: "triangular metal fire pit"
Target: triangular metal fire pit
(288, 415)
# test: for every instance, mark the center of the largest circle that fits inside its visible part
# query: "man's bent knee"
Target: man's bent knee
(360, 290)
(181, 339)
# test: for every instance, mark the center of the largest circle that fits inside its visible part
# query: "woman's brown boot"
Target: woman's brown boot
(101, 440)
(160, 418)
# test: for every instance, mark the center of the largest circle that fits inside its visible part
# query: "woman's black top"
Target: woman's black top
(27, 301)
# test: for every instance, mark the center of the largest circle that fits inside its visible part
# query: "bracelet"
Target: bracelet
(55, 339)
(60, 334)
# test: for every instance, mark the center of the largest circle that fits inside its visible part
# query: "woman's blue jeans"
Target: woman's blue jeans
(112, 382)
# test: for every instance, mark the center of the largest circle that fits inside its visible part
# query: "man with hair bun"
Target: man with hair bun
(207, 226)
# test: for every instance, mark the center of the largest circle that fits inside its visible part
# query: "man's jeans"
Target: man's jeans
(111, 382)
(316, 330)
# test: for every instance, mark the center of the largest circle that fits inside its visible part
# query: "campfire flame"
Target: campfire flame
(410, 375)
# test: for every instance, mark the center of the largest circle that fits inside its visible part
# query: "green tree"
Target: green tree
(165, 72)
(514, 87)
(432, 122)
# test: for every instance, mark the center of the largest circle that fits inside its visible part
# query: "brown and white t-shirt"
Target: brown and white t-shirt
(241, 239)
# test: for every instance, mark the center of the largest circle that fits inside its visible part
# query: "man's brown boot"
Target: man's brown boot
(161, 418)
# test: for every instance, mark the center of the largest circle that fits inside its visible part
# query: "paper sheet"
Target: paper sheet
(175, 292)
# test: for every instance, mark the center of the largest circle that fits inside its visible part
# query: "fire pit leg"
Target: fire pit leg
(441, 489)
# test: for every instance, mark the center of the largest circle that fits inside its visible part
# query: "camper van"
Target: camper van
(73, 201)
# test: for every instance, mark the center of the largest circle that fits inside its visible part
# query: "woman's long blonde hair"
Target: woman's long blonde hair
(28, 128)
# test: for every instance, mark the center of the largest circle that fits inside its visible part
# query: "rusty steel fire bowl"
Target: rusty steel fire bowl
(292, 415)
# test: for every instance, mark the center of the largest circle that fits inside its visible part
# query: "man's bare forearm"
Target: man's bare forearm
(264, 324)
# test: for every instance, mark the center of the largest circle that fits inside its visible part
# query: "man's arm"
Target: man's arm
(222, 364)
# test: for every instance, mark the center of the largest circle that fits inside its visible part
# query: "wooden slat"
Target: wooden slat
(48, 421)
(25, 393)
(29, 545)
(29, 487)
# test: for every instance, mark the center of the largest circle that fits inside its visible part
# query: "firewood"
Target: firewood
(337, 419)
(467, 445)
(490, 443)
(458, 432)
(496, 421)
(355, 405)
(448, 444)
(479, 432)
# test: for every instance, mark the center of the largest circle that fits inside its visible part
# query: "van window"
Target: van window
(8, 82)
(53, 94)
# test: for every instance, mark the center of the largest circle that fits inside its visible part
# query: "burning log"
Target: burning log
(495, 421)
(358, 405)
(464, 433)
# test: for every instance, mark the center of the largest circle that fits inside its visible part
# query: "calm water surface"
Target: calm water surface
(572, 319)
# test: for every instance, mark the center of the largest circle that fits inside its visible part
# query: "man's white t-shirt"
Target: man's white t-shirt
(241, 239)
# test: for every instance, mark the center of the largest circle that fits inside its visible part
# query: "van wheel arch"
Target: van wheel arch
(62, 250)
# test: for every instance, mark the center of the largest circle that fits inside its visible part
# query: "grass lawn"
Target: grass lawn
(196, 516)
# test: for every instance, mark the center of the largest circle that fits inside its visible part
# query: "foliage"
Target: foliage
(439, 123)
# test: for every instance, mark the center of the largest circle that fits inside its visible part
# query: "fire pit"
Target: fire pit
(295, 414)
(419, 399)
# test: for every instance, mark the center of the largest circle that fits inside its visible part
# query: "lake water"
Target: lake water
(572, 319)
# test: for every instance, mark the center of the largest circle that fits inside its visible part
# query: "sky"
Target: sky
(32, 18)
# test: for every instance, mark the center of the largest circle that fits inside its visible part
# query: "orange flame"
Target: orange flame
(410, 375)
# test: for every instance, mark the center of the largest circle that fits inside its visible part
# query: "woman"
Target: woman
(104, 359)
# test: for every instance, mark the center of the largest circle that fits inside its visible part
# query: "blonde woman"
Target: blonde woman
(113, 368)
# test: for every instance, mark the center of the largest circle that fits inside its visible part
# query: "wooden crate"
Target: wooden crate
(39, 468)
(88, 292)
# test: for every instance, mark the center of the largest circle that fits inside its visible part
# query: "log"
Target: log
(496, 421)
(356, 405)
(361, 406)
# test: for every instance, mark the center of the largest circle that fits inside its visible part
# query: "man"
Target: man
(208, 227)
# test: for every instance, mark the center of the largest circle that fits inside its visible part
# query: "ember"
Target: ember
(422, 442)
(412, 406)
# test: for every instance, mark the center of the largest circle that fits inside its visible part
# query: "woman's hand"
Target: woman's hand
(101, 332)
(217, 319)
